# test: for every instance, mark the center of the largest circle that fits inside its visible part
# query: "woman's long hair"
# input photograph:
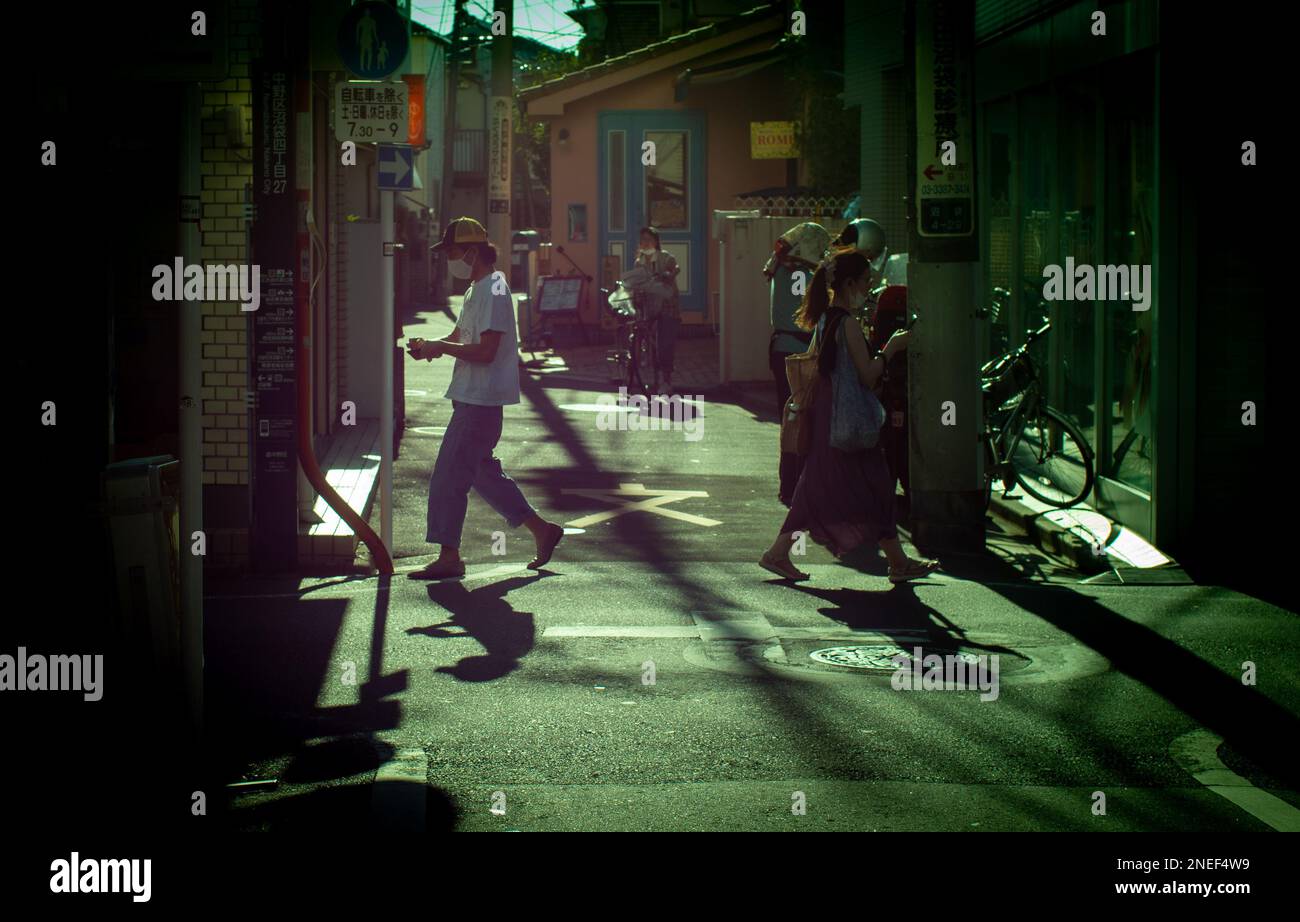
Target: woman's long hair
(849, 266)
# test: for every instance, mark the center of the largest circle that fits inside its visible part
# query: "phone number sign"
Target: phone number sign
(372, 111)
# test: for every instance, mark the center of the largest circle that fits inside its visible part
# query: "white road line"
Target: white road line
(1196, 753)
(651, 501)
(619, 630)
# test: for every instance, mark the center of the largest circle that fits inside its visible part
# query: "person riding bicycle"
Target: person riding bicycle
(660, 300)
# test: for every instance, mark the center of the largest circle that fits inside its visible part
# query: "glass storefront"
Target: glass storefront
(1069, 172)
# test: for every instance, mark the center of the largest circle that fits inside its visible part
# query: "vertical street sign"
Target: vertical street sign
(499, 156)
(415, 106)
(945, 191)
(271, 337)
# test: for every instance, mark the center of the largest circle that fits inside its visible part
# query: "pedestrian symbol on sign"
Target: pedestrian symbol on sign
(373, 39)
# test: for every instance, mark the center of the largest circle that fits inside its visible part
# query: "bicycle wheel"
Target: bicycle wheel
(645, 361)
(1052, 459)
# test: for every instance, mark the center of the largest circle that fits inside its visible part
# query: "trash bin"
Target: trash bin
(524, 247)
(523, 260)
(142, 501)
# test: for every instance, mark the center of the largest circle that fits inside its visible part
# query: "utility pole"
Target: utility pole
(501, 135)
(449, 131)
(945, 404)
(191, 410)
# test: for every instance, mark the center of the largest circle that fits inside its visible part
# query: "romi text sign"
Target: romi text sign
(372, 110)
(772, 140)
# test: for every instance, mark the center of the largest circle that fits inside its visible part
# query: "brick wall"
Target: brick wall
(226, 170)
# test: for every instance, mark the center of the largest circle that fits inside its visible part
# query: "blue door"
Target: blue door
(652, 172)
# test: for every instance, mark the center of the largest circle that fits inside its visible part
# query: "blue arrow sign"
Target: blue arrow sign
(396, 167)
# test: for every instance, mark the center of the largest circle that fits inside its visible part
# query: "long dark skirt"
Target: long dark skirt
(843, 498)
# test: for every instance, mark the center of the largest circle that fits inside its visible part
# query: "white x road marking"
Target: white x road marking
(650, 501)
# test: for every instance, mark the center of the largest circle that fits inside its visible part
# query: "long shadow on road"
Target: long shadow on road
(505, 634)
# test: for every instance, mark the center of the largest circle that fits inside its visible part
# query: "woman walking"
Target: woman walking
(843, 498)
(484, 380)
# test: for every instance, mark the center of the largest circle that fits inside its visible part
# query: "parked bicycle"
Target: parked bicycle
(636, 348)
(1026, 441)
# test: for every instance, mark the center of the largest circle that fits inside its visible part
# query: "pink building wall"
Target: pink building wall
(729, 108)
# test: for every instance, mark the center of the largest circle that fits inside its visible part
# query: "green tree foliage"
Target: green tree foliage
(828, 133)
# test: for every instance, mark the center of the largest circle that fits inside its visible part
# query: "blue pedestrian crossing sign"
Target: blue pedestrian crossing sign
(396, 167)
(373, 39)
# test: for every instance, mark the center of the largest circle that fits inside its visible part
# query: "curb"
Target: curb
(1047, 536)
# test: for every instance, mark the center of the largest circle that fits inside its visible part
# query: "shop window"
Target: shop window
(666, 200)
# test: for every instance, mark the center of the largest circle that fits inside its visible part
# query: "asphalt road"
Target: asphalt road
(653, 677)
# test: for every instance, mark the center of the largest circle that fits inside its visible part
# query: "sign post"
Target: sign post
(387, 342)
(396, 171)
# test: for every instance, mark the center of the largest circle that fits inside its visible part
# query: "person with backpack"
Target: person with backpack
(843, 498)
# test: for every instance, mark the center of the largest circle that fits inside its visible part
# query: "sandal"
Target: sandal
(915, 569)
(782, 568)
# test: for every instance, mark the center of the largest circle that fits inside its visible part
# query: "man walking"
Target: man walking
(484, 380)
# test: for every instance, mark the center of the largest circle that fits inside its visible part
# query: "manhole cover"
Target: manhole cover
(859, 656)
(828, 655)
(879, 656)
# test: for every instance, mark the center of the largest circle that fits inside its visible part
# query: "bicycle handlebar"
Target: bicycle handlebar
(1040, 332)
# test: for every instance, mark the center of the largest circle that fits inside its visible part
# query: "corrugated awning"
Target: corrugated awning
(727, 70)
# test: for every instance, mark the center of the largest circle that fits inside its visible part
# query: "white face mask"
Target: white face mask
(647, 253)
(459, 268)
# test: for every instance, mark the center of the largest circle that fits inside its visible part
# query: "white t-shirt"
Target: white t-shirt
(495, 383)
